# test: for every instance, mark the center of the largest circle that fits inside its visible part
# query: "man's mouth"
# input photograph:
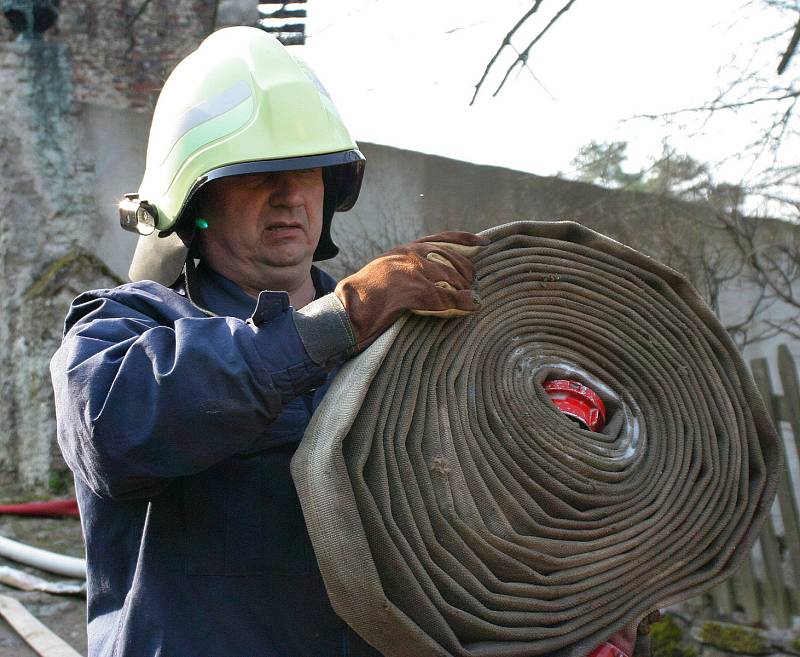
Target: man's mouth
(283, 227)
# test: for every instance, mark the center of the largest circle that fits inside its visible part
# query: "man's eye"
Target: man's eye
(257, 179)
(307, 170)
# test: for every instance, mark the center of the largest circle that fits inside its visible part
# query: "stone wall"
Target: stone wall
(121, 51)
(679, 635)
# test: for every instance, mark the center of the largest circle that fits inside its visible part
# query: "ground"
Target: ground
(64, 615)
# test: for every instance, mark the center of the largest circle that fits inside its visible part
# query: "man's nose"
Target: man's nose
(287, 191)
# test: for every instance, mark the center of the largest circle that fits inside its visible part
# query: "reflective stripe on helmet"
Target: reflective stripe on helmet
(205, 111)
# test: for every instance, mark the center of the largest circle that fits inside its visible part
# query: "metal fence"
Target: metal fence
(766, 589)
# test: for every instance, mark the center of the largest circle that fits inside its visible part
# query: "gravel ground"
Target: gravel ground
(64, 615)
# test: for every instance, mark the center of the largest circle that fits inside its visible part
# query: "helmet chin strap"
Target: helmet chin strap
(193, 288)
(326, 249)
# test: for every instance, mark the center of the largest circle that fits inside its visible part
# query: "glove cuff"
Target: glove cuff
(326, 331)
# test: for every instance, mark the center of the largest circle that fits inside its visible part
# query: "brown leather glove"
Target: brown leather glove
(430, 276)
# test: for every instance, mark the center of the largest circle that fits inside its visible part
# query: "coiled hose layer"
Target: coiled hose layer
(455, 511)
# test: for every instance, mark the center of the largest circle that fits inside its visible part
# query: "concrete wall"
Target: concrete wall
(408, 194)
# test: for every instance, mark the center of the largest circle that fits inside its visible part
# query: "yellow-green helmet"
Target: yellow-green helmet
(240, 103)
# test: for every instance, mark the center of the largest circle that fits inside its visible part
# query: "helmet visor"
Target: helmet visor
(343, 173)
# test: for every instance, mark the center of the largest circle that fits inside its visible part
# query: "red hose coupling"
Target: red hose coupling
(578, 402)
(606, 650)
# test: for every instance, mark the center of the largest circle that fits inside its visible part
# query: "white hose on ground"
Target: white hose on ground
(28, 582)
(52, 562)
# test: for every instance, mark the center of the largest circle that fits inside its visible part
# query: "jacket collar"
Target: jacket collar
(217, 295)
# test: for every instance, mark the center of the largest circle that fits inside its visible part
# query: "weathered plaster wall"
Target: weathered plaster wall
(408, 194)
(45, 222)
(74, 123)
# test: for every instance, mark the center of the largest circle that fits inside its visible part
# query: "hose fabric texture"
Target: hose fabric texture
(455, 511)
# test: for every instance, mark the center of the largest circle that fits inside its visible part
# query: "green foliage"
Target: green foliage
(602, 163)
(670, 174)
(677, 174)
(731, 637)
(667, 640)
(796, 644)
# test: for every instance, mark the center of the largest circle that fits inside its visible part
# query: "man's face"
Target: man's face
(264, 222)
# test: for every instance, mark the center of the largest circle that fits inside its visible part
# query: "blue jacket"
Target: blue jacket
(179, 426)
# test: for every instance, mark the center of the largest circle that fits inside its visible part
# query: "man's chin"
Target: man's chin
(288, 260)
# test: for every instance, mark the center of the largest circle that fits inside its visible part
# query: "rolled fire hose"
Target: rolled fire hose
(454, 511)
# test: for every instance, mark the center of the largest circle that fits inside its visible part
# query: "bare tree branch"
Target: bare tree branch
(717, 105)
(753, 92)
(787, 56)
(506, 41)
(523, 56)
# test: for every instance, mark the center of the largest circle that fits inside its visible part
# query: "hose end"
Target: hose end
(577, 401)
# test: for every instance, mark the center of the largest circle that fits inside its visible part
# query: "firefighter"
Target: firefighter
(182, 395)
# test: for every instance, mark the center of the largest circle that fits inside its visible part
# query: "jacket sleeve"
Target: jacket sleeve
(144, 395)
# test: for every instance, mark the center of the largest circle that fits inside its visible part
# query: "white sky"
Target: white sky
(402, 73)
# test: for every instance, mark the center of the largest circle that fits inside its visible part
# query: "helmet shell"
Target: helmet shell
(240, 103)
(240, 97)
